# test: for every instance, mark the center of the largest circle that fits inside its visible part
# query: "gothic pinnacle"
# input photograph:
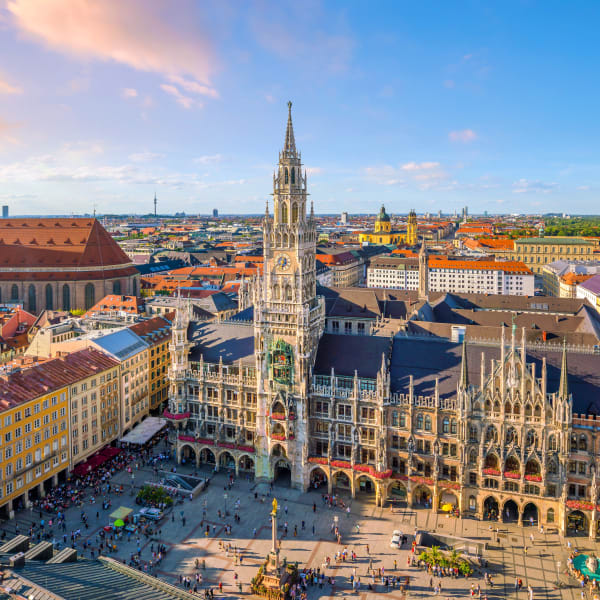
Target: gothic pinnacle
(290, 144)
(563, 388)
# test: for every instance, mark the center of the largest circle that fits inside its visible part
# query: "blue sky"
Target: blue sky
(431, 105)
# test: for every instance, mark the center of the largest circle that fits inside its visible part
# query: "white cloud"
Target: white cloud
(270, 99)
(384, 175)
(194, 87)
(422, 175)
(413, 166)
(464, 135)
(145, 156)
(147, 36)
(209, 159)
(7, 88)
(129, 93)
(314, 170)
(524, 186)
(185, 101)
(583, 188)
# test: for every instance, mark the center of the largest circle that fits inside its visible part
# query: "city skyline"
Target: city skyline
(427, 106)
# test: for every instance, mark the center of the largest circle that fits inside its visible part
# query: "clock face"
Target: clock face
(282, 261)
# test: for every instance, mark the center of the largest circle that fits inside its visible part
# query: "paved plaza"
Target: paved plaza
(366, 526)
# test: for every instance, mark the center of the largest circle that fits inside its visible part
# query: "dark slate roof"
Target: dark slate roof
(244, 315)
(159, 267)
(347, 353)
(428, 359)
(89, 580)
(230, 341)
(216, 302)
(592, 284)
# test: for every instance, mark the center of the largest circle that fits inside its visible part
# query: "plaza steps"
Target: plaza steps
(41, 551)
(20, 543)
(64, 556)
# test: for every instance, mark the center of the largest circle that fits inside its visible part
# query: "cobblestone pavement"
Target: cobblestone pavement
(315, 542)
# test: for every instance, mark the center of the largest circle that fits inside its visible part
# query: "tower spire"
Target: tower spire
(563, 389)
(289, 146)
(464, 369)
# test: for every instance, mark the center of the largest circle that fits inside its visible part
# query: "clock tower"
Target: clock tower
(288, 322)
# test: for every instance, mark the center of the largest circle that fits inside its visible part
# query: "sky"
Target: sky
(426, 105)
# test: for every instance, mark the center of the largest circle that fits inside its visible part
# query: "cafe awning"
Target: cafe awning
(144, 431)
(120, 513)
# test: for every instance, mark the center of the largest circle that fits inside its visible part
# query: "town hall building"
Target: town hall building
(495, 430)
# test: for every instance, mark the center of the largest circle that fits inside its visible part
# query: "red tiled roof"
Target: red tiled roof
(112, 302)
(59, 243)
(50, 376)
(508, 266)
(146, 329)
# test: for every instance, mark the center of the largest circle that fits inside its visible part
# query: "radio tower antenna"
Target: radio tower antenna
(155, 201)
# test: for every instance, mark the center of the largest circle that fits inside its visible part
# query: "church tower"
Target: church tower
(411, 228)
(288, 320)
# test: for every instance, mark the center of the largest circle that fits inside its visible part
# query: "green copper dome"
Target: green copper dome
(383, 216)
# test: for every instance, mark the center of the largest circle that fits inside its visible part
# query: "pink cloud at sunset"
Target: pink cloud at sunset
(136, 33)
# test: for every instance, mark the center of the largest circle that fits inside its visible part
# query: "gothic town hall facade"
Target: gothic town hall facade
(496, 431)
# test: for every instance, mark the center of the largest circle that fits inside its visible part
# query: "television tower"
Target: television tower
(155, 201)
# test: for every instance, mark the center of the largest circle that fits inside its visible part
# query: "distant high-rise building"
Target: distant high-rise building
(465, 212)
(215, 212)
(485, 213)
(5, 212)
(439, 214)
(344, 218)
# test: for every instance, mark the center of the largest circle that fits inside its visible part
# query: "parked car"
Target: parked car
(396, 539)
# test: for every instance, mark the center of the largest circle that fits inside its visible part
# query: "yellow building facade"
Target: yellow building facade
(34, 450)
(156, 332)
(537, 252)
(384, 234)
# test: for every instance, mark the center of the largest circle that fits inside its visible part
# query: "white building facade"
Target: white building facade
(479, 277)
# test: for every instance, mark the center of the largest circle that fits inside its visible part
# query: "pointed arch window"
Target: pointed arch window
(293, 175)
(117, 287)
(419, 421)
(66, 297)
(294, 211)
(135, 287)
(31, 299)
(286, 175)
(48, 293)
(14, 292)
(284, 213)
(427, 423)
(90, 295)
